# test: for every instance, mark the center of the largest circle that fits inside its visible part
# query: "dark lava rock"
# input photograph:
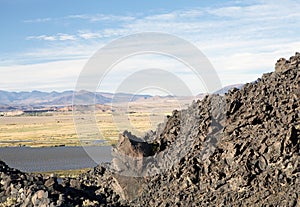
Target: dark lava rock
(256, 159)
(240, 149)
(131, 145)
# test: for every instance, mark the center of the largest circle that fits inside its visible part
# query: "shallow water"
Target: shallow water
(54, 158)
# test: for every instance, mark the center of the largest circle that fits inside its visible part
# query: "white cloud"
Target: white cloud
(88, 17)
(42, 37)
(162, 17)
(89, 35)
(64, 37)
(59, 52)
(59, 37)
(38, 20)
(262, 12)
(101, 17)
(131, 66)
(241, 40)
(60, 75)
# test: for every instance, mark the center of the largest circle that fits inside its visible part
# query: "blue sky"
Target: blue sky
(44, 44)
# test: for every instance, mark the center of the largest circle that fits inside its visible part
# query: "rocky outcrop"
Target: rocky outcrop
(284, 65)
(256, 159)
(132, 146)
(240, 149)
(28, 190)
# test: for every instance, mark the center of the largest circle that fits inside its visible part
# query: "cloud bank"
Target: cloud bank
(241, 40)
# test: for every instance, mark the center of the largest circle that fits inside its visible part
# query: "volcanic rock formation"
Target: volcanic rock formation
(240, 149)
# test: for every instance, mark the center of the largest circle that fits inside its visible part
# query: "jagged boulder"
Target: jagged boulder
(131, 145)
(282, 65)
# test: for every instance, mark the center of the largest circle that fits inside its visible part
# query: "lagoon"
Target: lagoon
(45, 159)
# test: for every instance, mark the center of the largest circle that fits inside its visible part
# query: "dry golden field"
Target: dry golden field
(57, 128)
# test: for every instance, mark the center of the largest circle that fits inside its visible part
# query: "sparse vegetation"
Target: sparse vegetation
(58, 129)
(65, 173)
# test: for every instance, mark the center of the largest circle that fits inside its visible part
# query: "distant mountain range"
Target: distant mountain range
(38, 99)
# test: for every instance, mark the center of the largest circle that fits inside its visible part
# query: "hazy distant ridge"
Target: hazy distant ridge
(65, 98)
(36, 98)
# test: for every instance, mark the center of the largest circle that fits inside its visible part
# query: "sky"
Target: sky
(45, 44)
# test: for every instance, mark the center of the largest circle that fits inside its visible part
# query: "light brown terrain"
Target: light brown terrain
(57, 128)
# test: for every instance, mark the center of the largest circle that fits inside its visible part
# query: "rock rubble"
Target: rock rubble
(240, 149)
